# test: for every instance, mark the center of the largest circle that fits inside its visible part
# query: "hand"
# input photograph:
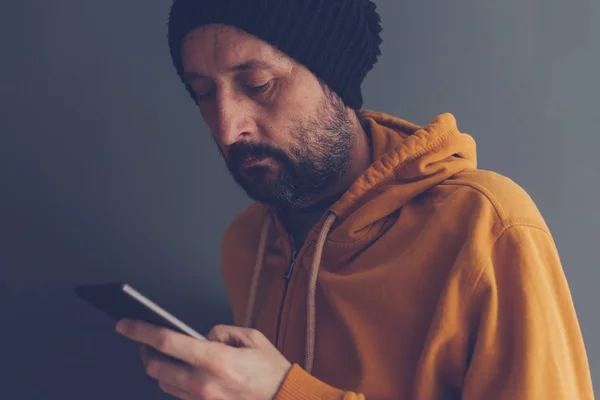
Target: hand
(192, 369)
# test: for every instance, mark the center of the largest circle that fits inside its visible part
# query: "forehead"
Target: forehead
(221, 46)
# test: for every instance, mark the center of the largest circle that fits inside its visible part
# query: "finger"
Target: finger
(147, 352)
(168, 370)
(236, 336)
(174, 391)
(164, 340)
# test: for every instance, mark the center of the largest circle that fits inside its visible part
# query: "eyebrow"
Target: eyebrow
(245, 66)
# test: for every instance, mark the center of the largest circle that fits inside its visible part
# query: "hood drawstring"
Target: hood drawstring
(262, 245)
(311, 310)
(312, 286)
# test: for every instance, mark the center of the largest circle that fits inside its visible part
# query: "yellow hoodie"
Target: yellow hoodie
(428, 279)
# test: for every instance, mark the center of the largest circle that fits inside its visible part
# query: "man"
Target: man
(377, 261)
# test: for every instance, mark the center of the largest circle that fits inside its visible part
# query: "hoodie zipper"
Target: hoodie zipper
(288, 272)
(286, 277)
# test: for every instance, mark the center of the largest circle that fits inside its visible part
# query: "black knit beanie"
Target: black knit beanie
(337, 40)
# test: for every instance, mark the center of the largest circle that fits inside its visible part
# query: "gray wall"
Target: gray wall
(108, 173)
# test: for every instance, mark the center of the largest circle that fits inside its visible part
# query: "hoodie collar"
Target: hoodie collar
(408, 160)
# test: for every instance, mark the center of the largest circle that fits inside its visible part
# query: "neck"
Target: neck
(299, 222)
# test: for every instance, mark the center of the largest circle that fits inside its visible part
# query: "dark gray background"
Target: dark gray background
(108, 173)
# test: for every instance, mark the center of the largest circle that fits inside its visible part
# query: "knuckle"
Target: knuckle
(255, 336)
(205, 360)
(164, 341)
(205, 391)
(212, 362)
(217, 330)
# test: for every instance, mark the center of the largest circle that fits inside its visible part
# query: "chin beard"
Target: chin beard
(291, 187)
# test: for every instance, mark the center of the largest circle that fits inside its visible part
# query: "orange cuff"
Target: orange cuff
(300, 385)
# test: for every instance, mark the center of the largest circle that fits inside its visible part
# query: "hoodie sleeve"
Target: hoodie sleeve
(527, 342)
(299, 385)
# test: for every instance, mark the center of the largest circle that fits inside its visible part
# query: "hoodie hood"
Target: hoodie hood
(408, 161)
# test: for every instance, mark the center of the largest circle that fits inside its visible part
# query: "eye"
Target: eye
(203, 88)
(205, 96)
(260, 88)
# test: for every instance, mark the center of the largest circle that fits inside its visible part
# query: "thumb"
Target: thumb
(235, 336)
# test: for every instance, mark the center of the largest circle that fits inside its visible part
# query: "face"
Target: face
(285, 137)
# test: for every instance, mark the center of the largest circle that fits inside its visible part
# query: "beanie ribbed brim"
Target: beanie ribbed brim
(338, 41)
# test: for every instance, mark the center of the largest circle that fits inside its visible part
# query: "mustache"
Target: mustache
(240, 151)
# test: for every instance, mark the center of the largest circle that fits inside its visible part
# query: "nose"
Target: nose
(233, 120)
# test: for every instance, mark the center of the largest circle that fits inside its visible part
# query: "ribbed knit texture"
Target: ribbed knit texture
(337, 40)
(299, 385)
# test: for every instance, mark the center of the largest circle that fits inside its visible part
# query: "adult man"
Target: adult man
(377, 260)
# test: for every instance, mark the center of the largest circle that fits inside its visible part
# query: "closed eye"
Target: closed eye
(251, 89)
(259, 89)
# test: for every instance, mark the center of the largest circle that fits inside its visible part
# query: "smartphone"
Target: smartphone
(121, 300)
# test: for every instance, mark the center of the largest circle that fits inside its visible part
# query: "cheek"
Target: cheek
(295, 106)
(276, 122)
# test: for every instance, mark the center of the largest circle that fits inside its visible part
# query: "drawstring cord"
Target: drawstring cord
(311, 311)
(262, 245)
(312, 286)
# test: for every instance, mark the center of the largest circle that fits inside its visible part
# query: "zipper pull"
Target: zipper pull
(288, 272)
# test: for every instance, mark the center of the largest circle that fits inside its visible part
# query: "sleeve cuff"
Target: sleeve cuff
(300, 385)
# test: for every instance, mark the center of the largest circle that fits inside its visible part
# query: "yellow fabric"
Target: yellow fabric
(437, 281)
